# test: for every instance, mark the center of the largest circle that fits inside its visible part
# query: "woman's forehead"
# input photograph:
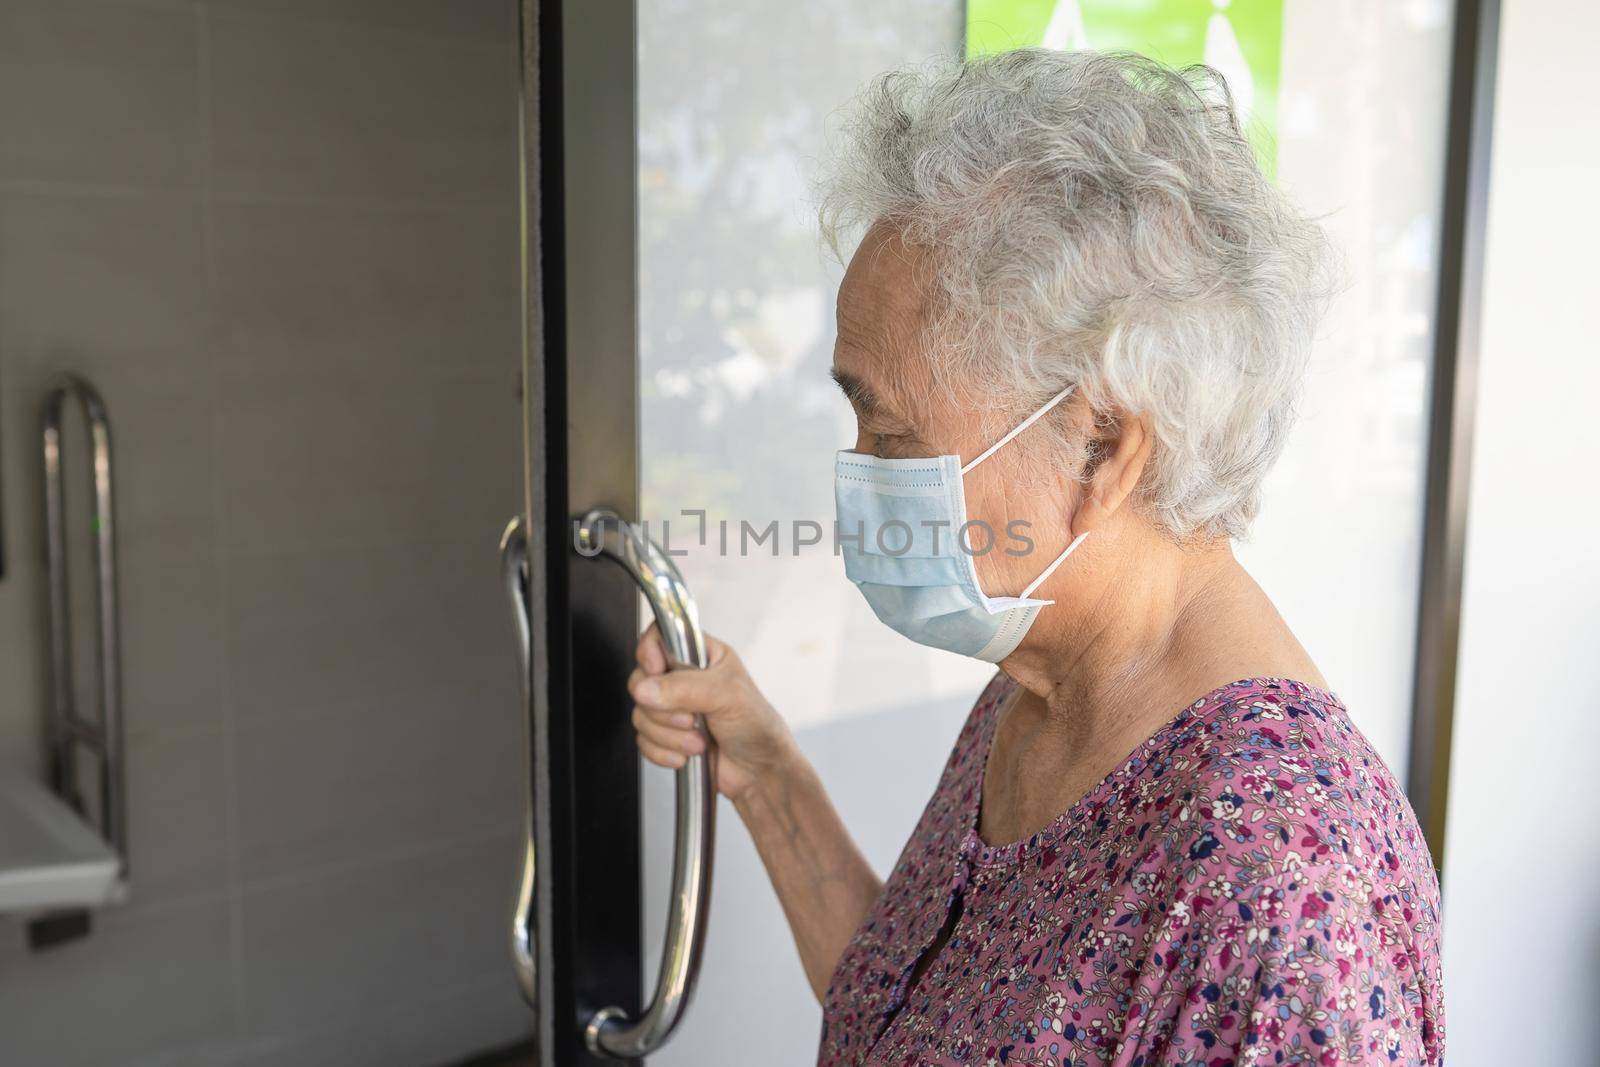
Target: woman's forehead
(880, 312)
(883, 270)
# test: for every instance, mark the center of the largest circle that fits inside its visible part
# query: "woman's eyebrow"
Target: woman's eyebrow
(857, 391)
(871, 406)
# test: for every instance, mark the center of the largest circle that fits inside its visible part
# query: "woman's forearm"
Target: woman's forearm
(823, 881)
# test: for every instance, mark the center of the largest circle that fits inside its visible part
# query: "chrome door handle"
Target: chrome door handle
(610, 1032)
(524, 943)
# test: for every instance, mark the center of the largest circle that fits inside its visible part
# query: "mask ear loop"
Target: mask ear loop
(1048, 571)
(1029, 421)
(997, 446)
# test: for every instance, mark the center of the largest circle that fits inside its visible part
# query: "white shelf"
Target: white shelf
(49, 857)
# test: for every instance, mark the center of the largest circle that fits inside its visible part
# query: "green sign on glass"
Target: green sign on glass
(1243, 39)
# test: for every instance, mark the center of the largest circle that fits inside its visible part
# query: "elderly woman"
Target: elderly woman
(1073, 335)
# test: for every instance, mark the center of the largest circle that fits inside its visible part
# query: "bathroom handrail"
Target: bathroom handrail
(610, 1032)
(69, 729)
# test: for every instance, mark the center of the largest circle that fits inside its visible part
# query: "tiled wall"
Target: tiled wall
(281, 237)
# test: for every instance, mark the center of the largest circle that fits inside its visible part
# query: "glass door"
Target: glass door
(687, 386)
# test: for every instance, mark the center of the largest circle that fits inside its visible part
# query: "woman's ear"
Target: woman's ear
(1118, 454)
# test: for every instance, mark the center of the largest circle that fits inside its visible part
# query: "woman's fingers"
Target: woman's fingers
(650, 653)
(681, 720)
(663, 733)
(661, 757)
(705, 692)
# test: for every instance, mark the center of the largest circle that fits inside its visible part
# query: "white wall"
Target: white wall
(1522, 859)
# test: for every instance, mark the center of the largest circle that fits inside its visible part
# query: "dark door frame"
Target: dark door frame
(581, 444)
(1452, 410)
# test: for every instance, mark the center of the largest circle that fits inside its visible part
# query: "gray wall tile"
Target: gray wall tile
(309, 291)
(349, 944)
(363, 623)
(353, 463)
(178, 817)
(98, 94)
(23, 592)
(110, 285)
(149, 983)
(485, 21)
(351, 110)
(173, 672)
(342, 415)
(163, 437)
(433, 1031)
(370, 778)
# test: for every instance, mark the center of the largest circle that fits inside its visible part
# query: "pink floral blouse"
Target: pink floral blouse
(1249, 887)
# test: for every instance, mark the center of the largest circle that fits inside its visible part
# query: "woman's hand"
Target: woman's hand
(752, 740)
(824, 883)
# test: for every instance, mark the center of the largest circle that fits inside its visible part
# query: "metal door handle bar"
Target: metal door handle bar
(524, 938)
(610, 1032)
(68, 729)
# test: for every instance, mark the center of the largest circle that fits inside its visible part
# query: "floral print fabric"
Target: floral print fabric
(1249, 887)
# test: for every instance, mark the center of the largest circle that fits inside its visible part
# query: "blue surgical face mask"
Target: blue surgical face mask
(908, 561)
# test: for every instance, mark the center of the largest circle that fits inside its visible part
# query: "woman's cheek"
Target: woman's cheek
(999, 558)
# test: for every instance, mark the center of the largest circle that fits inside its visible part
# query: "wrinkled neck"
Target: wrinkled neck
(1117, 648)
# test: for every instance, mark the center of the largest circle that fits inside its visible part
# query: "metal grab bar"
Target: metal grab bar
(610, 1032)
(68, 729)
(524, 937)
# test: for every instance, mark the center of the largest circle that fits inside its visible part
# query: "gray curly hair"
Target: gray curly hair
(1099, 220)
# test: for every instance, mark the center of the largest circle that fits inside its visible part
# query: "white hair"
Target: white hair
(1098, 220)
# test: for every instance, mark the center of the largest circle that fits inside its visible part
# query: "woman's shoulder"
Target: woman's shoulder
(1274, 774)
(1287, 850)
